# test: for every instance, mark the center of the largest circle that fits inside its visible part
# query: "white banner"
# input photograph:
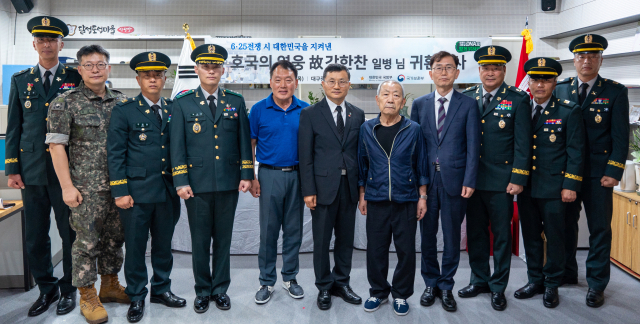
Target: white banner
(370, 60)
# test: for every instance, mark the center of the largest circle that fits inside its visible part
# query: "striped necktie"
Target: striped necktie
(441, 116)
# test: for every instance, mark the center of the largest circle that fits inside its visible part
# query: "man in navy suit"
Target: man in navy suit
(451, 127)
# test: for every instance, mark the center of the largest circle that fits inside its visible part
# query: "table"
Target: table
(18, 209)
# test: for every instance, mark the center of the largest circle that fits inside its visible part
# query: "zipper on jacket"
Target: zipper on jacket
(390, 152)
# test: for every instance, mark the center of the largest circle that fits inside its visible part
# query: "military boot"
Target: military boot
(111, 291)
(90, 306)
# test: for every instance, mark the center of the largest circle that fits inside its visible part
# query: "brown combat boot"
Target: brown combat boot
(90, 306)
(111, 291)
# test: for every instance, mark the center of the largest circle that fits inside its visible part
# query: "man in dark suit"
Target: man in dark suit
(451, 126)
(28, 162)
(212, 160)
(605, 112)
(142, 185)
(505, 156)
(556, 177)
(328, 148)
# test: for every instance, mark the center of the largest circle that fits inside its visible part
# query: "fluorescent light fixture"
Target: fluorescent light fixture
(319, 36)
(414, 36)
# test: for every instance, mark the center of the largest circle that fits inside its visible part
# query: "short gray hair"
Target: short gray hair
(391, 82)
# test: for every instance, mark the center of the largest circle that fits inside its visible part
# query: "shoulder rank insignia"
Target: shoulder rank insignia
(125, 100)
(184, 93)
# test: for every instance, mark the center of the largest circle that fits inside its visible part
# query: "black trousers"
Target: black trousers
(387, 220)
(160, 220)
(340, 216)
(495, 209)
(598, 206)
(211, 216)
(538, 215)
(38, 201)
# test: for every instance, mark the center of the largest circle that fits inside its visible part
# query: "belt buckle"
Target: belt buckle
(288, 169)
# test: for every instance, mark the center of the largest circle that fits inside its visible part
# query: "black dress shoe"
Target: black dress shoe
(551, 299)
(66, 304)
(472, 291)
(528, 291)
(222, 301)
(43, 302)
(324, 300)
(498, 301)
(595, 298)
(568, 281)
(429, 296)
(136, 311)
(347, 294)
(448, 302)
(168, 299)
(201, 304)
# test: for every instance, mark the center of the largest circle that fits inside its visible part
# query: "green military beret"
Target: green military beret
(150, 61)
(492, 55)
(209, 54)
(588, 43)
(542, 68)
(46, 26)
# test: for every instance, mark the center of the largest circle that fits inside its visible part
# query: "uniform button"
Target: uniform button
(562, 172)
(506, 162)
(480, 144)
(534, 157)
(47, 118)
(215, 126)
(483, 121)
(216, 136)
(191, 165)
(21, 150)
(162, 146)
(217, 157)
(534, 167)
(162, 160)
(47, 150)
(482, 133)
(216, 147)
(534, 147)
(481, 156)
(535, 136)
(162, 172)
(605, 151)
(47, 104)
(161, 134)
(196, 119)
(409, 180)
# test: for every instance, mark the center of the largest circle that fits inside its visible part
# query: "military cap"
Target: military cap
(588, 43)
(46, 26)
(492, 55)
(209, 54)
(542, 68)
(150, 61)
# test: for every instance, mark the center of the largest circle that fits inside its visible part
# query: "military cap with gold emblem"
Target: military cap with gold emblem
(46, 26)
(542, 68)
(492, 55)
(150, 61)
(209, 54)
(588, 43)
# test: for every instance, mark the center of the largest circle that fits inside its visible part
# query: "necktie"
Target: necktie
(212, 105)
(46, 82)
(583, 92)
(340, 121)
(536, 116)
(487, 100)
(441, 116)
(156, 111)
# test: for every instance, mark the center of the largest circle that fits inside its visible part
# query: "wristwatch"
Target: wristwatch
(423, 197)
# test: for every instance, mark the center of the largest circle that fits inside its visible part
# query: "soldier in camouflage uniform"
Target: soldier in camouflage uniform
(80, 119)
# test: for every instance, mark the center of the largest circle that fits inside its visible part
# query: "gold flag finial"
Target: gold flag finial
(185, 26)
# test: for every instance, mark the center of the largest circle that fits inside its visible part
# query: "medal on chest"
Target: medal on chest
(143, 137)
(598, 118)
(27, 104)
(502, 123)
(197, 128)
(552, 138)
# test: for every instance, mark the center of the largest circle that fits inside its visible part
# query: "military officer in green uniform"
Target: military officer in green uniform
(28, 163)
(556, 177)
(212, 160)
(504, 171)
(605, 111)
(142, 185)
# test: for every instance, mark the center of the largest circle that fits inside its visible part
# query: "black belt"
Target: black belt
(285, 169)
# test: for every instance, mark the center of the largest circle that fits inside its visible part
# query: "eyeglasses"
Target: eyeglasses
(439, 69)
(341, 83)
(46, 40)
(89, 66)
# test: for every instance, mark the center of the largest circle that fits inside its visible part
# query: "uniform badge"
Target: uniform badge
(222, 101)
(27, 104)
(146, 111)
(541, 62)
(477, 97)
(36, 79)
(546, 112)
(29, 85)
(588, 39)
(552, 138)
(236, 115)
(598, 118)
(58, 79)
(152, 56)
(143, 137)
(46, 21)
(212, 49)
(165, 111)
(202, 102)
(502, 123)
(197, 128)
